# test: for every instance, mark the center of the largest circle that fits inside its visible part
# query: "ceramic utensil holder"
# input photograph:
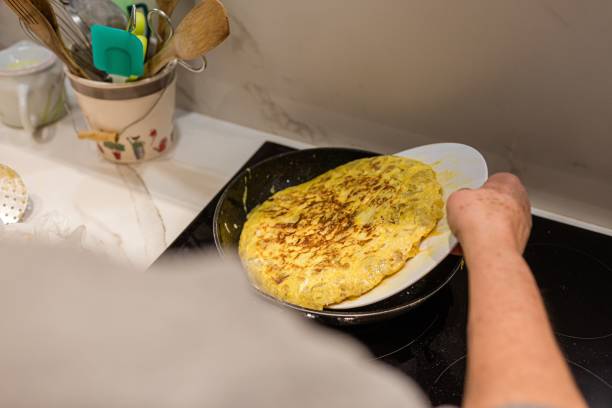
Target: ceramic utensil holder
(139, 114)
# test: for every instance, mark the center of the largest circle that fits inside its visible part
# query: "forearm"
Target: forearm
(512, 353)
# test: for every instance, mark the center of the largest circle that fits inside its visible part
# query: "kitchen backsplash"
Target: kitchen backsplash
(529, 83)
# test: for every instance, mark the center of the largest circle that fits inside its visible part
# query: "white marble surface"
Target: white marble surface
(130, 213)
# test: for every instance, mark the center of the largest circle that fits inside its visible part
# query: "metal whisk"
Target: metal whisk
(69, 29)
(73, 37)
(75, 34)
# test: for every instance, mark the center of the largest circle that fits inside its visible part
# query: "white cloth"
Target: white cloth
(76, 331)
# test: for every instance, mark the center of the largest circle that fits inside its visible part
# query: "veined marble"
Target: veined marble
(130, 213)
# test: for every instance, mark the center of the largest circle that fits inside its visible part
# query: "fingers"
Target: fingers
(454, 206)
(508, 183)
(505, 182)
(500, 181)
(502, 203)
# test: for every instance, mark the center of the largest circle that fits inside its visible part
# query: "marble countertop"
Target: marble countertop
(130, 213)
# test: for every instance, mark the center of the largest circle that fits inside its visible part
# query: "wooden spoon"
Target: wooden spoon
(47, 10)
(203, 28)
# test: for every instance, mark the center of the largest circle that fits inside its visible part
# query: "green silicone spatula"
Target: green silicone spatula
(117, 52)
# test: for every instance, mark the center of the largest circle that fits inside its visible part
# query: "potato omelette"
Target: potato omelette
(340, 234)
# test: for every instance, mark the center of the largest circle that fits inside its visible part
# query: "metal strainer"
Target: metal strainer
(13, 196)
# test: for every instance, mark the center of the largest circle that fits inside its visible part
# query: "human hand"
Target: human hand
(496, 214)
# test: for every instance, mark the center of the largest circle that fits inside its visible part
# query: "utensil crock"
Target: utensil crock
(140, 114)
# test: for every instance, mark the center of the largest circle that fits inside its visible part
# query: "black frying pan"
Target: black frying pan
(256, 184)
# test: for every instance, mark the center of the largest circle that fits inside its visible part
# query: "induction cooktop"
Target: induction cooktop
(573, 268)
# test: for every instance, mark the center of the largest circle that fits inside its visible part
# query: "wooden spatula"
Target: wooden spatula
(203, 28)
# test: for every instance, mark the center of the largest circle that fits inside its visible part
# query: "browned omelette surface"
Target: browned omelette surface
(339, 235)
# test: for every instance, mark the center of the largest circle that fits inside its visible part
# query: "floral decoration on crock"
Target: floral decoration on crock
(116, 149)
(163, 144)
(137, 147)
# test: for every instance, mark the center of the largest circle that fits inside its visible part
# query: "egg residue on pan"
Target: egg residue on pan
(339, 235)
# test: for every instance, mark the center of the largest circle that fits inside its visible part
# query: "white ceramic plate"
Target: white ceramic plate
(457, 166)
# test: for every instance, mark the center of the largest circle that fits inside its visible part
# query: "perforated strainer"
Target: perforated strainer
(13, 196)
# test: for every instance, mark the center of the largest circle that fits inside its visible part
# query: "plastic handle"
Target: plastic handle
(23, 93)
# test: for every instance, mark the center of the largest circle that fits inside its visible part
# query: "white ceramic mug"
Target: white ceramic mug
(31, 86)
(140, 113)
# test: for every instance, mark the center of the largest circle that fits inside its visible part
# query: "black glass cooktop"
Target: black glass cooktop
(573, 268)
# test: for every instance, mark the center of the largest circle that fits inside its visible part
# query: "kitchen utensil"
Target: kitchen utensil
(201, 30)
(137, 23)
(13, 196)
(131, 24)
(70, 34)
(31, 86)
(36, 22)
(101, 12)
(117, 52)
(285, 170)
(46, 9)
(164, 27)
(81, 56)
(64, 9)
(131, 122)
(76, 17)
(156, 39)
